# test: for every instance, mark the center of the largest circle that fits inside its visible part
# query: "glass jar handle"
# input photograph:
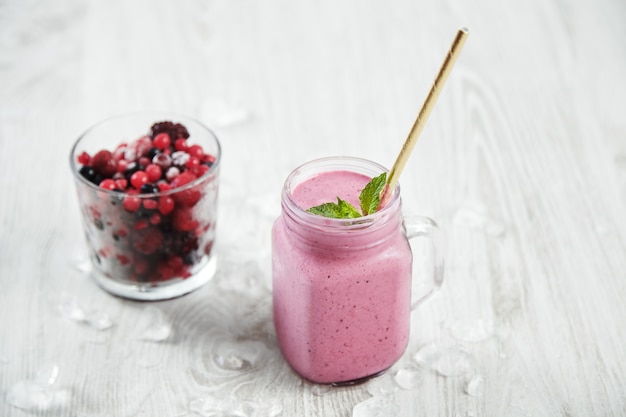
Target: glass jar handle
(424, 227)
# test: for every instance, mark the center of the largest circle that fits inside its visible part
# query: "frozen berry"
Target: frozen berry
(104, 163)
(131, 168)
(187, 198)
(180, 158)
(164, 185)
(84, 158)
(140, 265)
(180, 145)
(144, 161)
(108, 184)
(152, 152)
(175, 262)
(208, 159)
(201, 170)
(121, 183)
(150, 204)
(164, 271)
(182, 179)
(172, 173)
(138, 179)
(196, 151)
(119, 152)
(141, 224)
(154, 172)
(131, 203)
(162, 141)
(148, 240)
(130, 154)
(174, 130)
(192, 163)
(122, 164)
(163, 160)
(166, 205)
(183, 220)
(123, 259)
(142, 146)
(89, 174)
(148, 188)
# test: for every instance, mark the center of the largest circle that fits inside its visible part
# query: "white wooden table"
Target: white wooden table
(523, 164)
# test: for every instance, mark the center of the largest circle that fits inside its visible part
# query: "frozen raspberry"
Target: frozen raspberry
(174, 130)
(104, 163)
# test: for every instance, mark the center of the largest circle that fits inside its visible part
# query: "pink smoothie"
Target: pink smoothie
(341, 297)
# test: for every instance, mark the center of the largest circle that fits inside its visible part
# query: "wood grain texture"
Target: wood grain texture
(522, 163)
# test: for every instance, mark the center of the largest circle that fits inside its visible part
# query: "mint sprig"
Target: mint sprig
(339, 210)
(369, 199)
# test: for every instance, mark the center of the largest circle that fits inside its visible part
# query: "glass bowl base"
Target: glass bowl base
(151, 291)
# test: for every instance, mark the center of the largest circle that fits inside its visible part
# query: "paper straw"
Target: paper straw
(422, 117)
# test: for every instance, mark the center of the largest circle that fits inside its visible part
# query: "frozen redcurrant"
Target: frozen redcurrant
(138, 179)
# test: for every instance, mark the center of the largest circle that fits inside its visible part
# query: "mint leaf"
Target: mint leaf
(370, 196)
(339, 210)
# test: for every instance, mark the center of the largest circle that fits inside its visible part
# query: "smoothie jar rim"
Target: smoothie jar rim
(345, 163)
(157, 115)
